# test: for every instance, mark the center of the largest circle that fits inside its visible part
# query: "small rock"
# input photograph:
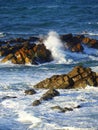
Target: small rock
(56, 108)
(8, 97)
(50, 94)
(30, 92)
(36, 103)
(61, 109)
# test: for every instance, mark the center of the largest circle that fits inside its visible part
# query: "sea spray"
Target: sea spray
(55, 45)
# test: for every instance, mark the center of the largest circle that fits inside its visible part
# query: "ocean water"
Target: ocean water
(27, 18)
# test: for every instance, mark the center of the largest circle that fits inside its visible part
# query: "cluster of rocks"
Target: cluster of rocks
(46, 96)
(79, 77)
(65, 109)
(24, 51)
(50, 94)
(75, 43)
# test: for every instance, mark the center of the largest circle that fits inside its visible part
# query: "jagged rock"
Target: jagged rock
(74, 47)
(30, 92)
(72, 43)
(79, 77)
(7, 58)
(26, 53)
(50, 94)
(42, 54)
(56, 81)
(90, 42)
(82, 77)
(36, 103)
(66, 37)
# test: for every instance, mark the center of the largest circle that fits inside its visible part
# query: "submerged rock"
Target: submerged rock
(36, 103)
(65, 109)
(30, 92)
(79, 77)
(8, 97)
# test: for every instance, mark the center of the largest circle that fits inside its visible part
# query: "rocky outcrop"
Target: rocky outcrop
(33, 51)
(79, 77)
(90, 42)
(25, 52)
(72, 43)
(75, 43)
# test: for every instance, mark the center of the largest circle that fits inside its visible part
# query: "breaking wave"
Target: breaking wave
(55, 45)
(60, 55)
(2, 34)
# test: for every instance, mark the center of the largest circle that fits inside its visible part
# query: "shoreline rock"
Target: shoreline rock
(33, 51)
(79, 77)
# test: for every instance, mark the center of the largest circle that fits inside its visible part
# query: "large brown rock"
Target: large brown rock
(79, 77)
(57, 82)
(25, 53)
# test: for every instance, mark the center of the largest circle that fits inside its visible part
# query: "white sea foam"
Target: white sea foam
(28, 118)
(90, 33)
(2, 34)
(42, 117)
(55, 45)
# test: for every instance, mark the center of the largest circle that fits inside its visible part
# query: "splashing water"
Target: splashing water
(55, 45)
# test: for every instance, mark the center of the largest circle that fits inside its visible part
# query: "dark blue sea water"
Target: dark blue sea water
(27, 17)
(24, 18)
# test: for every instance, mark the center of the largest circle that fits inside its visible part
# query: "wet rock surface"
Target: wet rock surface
(78, 77)
(33, 51)
(25, 51)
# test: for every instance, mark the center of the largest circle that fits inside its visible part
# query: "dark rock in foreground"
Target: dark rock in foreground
(79, 77)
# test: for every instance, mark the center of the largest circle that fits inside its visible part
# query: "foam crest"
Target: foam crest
(28, 118)
(55, 45)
